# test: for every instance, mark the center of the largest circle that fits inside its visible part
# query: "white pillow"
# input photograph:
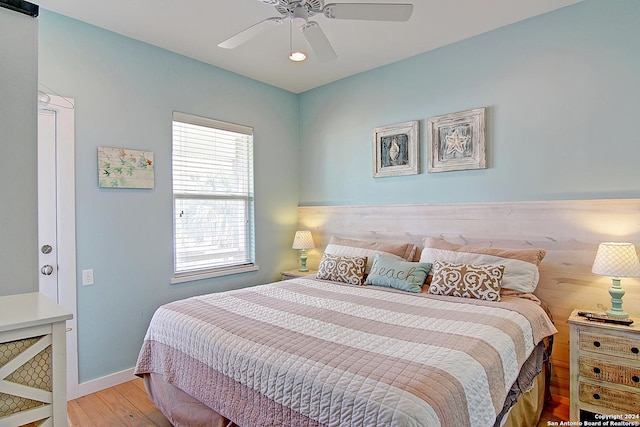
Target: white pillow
(520, 265)
(362, 248)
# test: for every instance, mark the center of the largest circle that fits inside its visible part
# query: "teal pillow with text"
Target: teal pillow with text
(391, 272)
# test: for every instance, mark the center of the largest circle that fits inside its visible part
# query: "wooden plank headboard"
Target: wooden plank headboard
(569, 231)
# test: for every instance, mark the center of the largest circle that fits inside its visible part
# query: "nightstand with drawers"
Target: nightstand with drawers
(292, 274)
(604, 370)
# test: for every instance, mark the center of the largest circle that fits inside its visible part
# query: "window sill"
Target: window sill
(190, 277)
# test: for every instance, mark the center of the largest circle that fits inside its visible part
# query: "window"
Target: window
(213, 228)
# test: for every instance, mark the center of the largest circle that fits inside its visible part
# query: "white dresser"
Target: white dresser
(33, 383)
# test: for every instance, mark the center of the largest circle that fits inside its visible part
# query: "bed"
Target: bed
(323, 351)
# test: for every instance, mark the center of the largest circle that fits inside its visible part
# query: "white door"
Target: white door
(47, 204)
(56, 216)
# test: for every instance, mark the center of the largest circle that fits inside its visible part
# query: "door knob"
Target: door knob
(46, 270)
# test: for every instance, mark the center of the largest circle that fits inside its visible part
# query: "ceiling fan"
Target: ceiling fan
(299, 12)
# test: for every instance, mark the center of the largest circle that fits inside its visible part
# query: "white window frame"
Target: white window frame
(181, 274)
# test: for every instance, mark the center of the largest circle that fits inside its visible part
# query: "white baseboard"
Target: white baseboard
(105, 382)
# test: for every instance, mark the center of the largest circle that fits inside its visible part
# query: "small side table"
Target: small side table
(292, 274)
(604, 370)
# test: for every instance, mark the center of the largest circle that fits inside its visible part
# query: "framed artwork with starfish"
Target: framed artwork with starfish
(457, 141)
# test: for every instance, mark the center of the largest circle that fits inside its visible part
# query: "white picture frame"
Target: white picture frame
(125, 168)
(457, 141)
(395, 150)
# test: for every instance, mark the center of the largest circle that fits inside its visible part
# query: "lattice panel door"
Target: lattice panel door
(26, 389)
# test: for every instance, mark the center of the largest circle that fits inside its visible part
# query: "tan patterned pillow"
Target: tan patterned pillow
(344, 269)
(466, 280)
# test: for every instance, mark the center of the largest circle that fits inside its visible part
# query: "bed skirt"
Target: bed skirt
(183, 410)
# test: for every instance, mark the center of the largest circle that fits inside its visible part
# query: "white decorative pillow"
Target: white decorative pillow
(466, 280)
(520, 265)
(342, 269)
(362, 248)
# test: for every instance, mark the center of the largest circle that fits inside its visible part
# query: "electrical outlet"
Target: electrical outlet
(87, 277)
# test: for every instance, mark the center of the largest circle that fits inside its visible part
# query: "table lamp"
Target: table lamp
(303, 240)
(616, 260)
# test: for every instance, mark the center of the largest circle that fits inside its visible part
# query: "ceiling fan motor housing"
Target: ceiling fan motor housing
(288, 7)
(300, 15)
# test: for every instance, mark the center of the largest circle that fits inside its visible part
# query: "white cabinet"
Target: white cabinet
(32, 361)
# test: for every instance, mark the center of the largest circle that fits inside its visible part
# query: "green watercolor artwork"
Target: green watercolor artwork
(124, 168)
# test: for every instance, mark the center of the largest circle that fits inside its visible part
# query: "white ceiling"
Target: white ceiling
(194, 28)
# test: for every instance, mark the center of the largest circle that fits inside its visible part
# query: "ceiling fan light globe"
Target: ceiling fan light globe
(297, 56)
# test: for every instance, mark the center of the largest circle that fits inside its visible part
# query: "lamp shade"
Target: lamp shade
(616, 260)
(303, 240)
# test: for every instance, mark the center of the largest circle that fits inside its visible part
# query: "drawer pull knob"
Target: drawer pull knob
(635, 379)
(635, 350)
(597, 344)
(596, 396)
(596, 370)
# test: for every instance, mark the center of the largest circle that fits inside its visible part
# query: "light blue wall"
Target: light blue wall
(562, 92)
(562, 96)
(125, 92)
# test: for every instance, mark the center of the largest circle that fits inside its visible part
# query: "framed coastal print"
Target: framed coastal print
(395, 150)
(457, 141)
(125, 168)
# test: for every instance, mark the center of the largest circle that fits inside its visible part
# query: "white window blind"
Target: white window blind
(212, 195)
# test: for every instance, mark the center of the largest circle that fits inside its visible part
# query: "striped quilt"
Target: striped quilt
(306, 352)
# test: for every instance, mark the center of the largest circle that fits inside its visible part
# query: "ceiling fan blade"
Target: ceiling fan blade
(251, 32)
(318, 41)
(369, 11)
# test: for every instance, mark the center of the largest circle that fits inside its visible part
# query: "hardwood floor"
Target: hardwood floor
(124, 405)
(557, 410)
(128, 405)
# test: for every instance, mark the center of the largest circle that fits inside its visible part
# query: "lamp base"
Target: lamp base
(619, 314)
(303, 261)
(616, 293)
